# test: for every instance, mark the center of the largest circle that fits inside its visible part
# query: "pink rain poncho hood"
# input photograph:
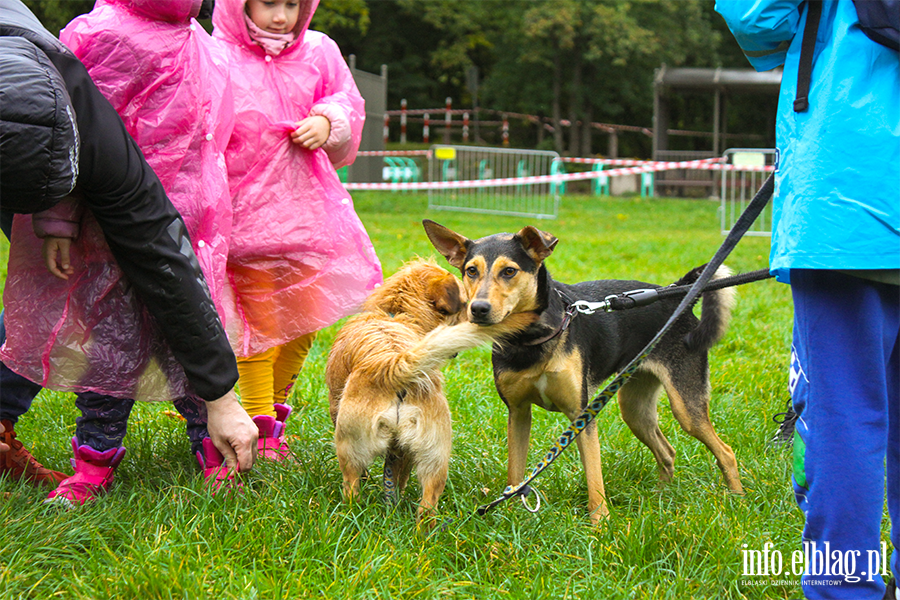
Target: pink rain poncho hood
(167, 79)
(299, 258)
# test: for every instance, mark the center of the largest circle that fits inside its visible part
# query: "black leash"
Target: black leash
(645, 296)
(590, 412)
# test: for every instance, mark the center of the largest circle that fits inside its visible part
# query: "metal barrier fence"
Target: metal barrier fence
(749, 169)
(462, 163)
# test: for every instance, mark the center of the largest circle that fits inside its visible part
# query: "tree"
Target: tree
(342, 18)
(56, 14)
(578, 60)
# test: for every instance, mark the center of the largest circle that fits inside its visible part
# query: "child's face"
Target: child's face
(274, 16)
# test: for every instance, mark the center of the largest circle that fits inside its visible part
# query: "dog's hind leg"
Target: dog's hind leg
(353, 465)
(402, 465)
(638, 406)
(425, 433)
(687, 386)
(363, 430)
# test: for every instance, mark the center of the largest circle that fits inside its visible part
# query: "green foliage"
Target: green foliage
(342, 18)
(56, 14)
(288, 534)
(588, 60)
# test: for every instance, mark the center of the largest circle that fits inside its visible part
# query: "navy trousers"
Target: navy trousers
(104, 419)
(845, 387)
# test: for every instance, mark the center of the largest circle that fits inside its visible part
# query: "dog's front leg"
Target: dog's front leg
(589, 449)
(518, 433)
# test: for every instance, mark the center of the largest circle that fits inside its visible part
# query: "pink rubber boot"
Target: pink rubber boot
(215, 471)
(94, 472)
(271, 442)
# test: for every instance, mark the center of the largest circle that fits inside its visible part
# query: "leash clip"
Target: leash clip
(630, 299)
(589, 308)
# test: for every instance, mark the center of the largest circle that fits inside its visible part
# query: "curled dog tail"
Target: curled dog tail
(421, 361)
(715, 312)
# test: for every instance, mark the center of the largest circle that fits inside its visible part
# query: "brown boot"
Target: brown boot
(18, 463)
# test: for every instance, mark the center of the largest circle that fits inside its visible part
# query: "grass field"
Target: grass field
(289, 535)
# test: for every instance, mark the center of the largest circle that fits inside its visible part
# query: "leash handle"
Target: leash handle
(578, 425)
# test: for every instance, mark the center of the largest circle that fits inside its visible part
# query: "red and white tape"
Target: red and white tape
(628, 162)
(393, 153)
(704, 164)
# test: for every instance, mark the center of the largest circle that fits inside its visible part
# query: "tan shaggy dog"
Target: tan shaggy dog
(384, 380)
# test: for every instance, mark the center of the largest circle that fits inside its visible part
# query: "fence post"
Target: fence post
(403, 121)
(447, 120)
(387, 127)
(613, 148)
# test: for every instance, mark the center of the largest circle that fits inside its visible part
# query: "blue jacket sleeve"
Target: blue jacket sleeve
(764, 29)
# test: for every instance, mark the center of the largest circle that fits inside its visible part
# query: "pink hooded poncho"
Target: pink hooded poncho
(167, 79)
(299, 257)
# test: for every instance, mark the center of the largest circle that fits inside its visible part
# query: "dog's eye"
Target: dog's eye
(472, 272)
(508, 272)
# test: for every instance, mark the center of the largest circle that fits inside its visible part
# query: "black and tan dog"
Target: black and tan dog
(558, 367)
(384, 377)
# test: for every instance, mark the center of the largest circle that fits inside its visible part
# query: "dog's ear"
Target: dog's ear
(443, 292)
(538, 244)
(453, 246)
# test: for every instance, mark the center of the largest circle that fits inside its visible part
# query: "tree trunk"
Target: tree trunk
(557, 91)
(575, 108)
(586, 129)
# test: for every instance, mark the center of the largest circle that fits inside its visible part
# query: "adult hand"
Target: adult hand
(3, 447)
(312, 132)
(56, 256)
(232, 432)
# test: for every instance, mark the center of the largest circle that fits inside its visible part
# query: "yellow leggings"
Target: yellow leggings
(267, 377)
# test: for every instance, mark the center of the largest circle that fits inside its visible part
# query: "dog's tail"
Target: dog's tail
(715, 312)
(418, 365)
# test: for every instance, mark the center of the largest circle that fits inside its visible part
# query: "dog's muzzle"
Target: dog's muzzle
(480, 312)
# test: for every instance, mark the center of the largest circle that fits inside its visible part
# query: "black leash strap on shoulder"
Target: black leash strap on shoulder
(590, 412)
(807, 49)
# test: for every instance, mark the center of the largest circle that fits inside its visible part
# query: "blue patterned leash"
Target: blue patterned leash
(590, 412)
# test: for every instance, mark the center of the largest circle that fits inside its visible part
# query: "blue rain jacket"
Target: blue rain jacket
(837, 179)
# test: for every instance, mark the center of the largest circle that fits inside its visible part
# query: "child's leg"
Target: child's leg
(103, 422)
(256, 383)
(845, 330)
(288, 364)
(97, 446)
(193, 410)
(212, 462)
(16, 392)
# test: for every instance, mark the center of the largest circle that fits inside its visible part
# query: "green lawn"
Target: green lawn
(289, 535)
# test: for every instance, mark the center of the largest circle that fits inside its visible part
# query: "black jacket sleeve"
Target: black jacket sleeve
(147, 236)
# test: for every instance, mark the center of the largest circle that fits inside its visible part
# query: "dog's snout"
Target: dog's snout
(479, 309)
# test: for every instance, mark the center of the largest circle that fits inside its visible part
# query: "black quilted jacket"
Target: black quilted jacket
(145, 233)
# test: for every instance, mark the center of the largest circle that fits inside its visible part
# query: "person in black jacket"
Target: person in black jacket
(82, 144)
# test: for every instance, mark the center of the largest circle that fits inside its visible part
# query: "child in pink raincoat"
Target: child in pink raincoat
(85, 331)
(299, 258)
